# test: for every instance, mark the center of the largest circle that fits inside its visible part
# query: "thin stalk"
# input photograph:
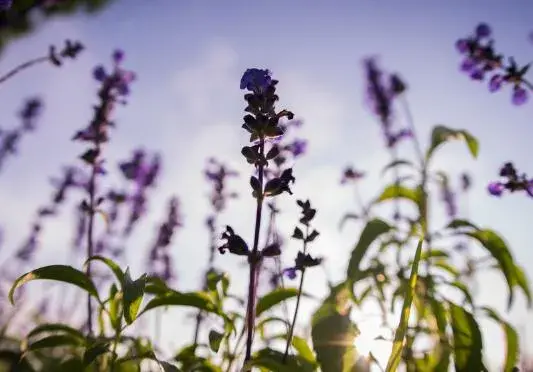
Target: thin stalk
(22, 67)
(234, 353)
(90, 233)
(200, 313)
(291, 331)
(254, 260)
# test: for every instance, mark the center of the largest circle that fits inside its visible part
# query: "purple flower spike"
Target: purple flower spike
(495, 83)
(496, 188)
(519, 95)
(99, 73)
(483, 30)
(118, 56)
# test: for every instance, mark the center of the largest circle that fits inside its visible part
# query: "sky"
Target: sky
(186, 103)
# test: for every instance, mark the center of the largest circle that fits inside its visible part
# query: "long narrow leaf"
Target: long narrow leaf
(397, 346)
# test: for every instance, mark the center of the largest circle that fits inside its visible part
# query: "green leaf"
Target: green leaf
(442, 134)
(55, 341)
(397, 163)
(215, 338)
(61, 273)
(442, 350)
(501, 253)
(272, 360)
(458, 223)
(113, 266)
(198, 300)
(511, 338)
(333, 332)
(392, 192)
(468, 343)
(55, 328)
(94, 351)
(464, 289)
(274, 298)
(370, 233)
(133, 295)
(523, 283)
(303, 349)
(401, 331)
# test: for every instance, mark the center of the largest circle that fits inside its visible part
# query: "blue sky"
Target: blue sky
(189, 57)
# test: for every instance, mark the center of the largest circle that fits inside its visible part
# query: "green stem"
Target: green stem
(291, 330)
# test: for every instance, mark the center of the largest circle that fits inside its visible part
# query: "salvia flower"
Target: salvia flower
(511, 181)
(234, 243)
(481, 61)
(256, 80)
(382, 89)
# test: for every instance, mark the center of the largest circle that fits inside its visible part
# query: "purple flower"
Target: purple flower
(461, 45)
(468, 64)
(495, 83)
(298, 147)
(5, 4)
(496, 188)
(290, 273)
(476, 74)
(118, 56)
(520, 95)
(256, 79)
(99, 73)
(483, 30)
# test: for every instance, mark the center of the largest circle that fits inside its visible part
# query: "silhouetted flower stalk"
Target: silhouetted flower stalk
(302, 262)
(113, 86)
(70, 50)
(261, 123)
(216, 173)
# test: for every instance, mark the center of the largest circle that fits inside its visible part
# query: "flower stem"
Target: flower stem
(254, 260)
(90, 234)
(291, 330)
(21, 67)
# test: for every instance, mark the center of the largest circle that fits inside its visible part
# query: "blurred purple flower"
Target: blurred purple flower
(351, 175)
(520, 95)
(496, 188)
(290, 272)
(483, 30)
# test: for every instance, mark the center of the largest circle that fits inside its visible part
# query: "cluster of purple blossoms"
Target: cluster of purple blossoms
(382, 89)
(511, 181)
(72, 178)
(449, 199)
(160, 260)
(217, 173)
(482, 62)
(10, 139)
(142, 172)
